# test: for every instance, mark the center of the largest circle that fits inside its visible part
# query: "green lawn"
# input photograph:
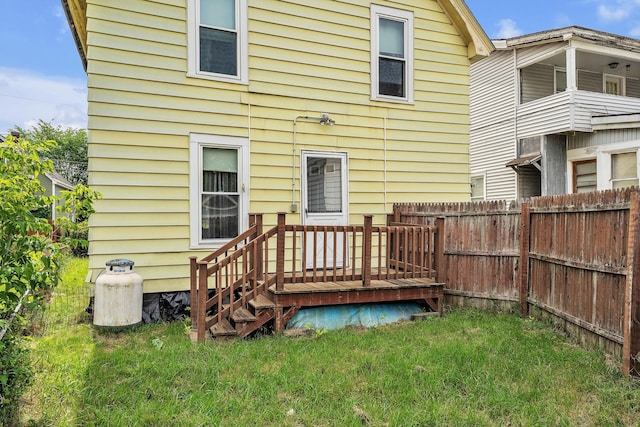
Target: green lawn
(467, 368)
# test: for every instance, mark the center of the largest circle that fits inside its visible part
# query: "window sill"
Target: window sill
(393, 100)
(216, 78)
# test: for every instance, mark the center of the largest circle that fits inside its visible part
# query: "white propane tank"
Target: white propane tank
(118, 295)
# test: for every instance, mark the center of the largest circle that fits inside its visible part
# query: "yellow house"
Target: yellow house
(202, 111)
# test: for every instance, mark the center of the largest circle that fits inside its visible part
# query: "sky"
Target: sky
(42, 78)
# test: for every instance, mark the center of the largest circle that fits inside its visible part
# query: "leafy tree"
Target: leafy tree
(69, 156)
(29, 260)
(73, 217)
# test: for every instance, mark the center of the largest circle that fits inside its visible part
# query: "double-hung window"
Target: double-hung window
(218, 178)
(218, 39)
(391, 54)
(624, 169)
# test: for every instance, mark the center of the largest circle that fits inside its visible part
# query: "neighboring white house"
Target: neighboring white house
(555, 112)
(54, 185)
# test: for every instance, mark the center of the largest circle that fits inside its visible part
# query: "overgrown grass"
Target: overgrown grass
(467, 368)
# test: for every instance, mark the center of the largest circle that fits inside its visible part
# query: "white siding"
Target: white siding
(546, 115)
(590, 81)
(536, 82)
(603, 137)
(492, 104)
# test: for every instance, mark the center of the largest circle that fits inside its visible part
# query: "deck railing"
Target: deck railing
(238, 272)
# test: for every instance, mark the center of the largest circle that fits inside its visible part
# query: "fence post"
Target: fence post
(203, 292)
(280, 251)
(523, 280)
(438, 250)
(193, 291)
(366, 251)
(631, 325)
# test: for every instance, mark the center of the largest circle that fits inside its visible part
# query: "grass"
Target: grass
(467, 368)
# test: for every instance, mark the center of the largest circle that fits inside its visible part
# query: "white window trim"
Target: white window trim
(482, 175)
(621, 79)
(557, 70)
(196, 143)
(602, 154)
(399, 15)
(193, 44)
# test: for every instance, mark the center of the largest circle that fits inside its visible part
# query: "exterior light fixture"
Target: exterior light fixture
(324, 120)
(613, 65)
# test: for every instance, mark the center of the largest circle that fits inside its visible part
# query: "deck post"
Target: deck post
(523, 280)
(631, 319)
(280, 251)
(438, 250)
(193, 291)
(258, 253)
(366, 251)
(203, 293)
(255, 257)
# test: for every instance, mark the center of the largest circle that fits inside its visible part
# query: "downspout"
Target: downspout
(294, 207)
(244, 189)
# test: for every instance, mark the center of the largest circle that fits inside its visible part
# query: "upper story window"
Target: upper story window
(560, 77)
(217, 37)
(391, 54)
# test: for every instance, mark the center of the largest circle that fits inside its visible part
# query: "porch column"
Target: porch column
(571, 69)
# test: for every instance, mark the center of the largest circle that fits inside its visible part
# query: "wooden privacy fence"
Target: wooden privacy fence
(574, 258)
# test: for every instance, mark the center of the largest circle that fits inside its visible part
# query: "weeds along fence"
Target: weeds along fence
(572, 259)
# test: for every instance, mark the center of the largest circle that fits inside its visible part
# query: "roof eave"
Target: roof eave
(478, 43)
(76, 13)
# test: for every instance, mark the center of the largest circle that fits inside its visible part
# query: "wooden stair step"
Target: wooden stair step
(223, 329)
(261, 302)
(242, 315)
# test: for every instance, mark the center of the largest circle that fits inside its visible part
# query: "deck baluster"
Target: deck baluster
(366, 251)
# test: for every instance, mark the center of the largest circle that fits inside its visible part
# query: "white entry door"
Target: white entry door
(324, 202)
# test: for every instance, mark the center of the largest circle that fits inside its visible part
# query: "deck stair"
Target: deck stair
(235, 291)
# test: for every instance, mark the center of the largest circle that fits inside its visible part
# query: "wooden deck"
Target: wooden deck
(233, 293)
(313, 294)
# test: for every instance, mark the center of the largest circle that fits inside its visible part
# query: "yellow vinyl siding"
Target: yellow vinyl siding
(304, 59)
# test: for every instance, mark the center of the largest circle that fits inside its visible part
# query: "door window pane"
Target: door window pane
(624, 170)
(324, 185)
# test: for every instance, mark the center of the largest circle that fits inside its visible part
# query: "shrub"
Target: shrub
(29, 260)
